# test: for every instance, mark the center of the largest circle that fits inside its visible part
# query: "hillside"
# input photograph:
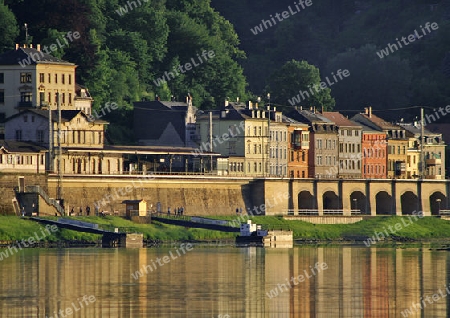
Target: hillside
(129, 51)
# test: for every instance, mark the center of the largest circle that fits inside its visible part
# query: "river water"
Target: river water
(211, 281)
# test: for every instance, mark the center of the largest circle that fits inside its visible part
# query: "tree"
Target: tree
(8, 28)
(295, 77)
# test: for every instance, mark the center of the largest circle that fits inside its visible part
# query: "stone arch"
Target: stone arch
(330, 201)
(358, 202)
(383, 203)
(409, 202)
(438, 201)
(306, 201)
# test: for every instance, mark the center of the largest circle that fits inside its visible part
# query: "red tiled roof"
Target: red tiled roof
(339, 119)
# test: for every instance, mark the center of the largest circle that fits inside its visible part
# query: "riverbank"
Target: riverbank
(380, 229)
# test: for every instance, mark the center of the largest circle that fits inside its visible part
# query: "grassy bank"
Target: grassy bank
(13, 229)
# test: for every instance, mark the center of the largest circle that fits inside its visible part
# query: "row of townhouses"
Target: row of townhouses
(239, 139)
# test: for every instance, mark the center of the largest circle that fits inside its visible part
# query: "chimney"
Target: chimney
(370, 111)
(38, 47)
(17, 46)
(31, 46)
(301, 107)
(249, 105)
(226, 103)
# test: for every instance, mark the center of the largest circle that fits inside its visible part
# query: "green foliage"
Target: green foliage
(295, 76)
(8, 28)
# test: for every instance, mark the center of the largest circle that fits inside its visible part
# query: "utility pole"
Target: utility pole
(422, 143)
(268, 138)
(59, 187)
(50, 140)
(210, 139)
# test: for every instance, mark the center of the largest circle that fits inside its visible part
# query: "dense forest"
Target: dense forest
(126, 47)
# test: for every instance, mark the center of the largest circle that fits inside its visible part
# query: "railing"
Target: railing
(44, 195)
(315, 212)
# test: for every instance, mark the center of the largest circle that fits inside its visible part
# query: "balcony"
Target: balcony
(433, 161)
(305, 145)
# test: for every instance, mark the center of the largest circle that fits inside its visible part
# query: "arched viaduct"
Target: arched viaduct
(357, 196)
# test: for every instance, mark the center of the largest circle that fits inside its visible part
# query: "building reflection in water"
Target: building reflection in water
(208, 282)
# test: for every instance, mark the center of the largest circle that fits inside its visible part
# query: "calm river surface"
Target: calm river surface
(225, 282)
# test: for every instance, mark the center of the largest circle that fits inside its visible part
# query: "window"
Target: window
(63, 78)
(254, 131)
(25, 118)
(25, 77)
(49, 78)
(56, 78)
(2, 78)
(260, 131)
(18, 135)
(2, 96)
(40, 136)
(319, 143)
(70, 79)
(49, 98)
(26, 97)
(319, 160)
(63, 98)
(70, 98)
(41, 77)
(41, 98)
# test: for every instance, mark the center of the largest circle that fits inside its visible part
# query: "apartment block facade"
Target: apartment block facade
(349, 153)
(323, 151)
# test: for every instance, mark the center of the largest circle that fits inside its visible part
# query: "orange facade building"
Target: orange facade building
(298, 147)
(374, 154)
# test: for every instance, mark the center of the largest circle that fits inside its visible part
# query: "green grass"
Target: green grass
(13, 228)
(420, 229)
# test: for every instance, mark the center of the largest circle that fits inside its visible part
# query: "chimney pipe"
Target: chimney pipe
(31, 46)
(370, 111)
(17, 46)
(38, 47)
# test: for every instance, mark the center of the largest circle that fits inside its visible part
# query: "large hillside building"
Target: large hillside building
(30, 78)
